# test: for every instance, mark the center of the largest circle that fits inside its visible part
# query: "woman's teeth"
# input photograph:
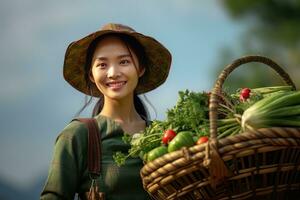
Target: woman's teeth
(116, 84)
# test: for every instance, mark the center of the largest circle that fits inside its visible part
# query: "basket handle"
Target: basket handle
(214, 100)
(213, 161)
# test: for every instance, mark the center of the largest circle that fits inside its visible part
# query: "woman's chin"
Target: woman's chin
(118, 95)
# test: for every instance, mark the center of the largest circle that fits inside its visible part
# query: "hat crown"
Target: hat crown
(117, 27)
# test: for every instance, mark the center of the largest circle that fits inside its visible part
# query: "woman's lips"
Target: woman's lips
(116, 85)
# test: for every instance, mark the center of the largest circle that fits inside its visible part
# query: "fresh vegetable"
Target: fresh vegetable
(245, 94)
(234, 105)
(157, 152)
(141, 143)
(266, 91)
(188, 132)
(279, 109)
(287, 111)
(168, 136)
(202, 140)
(256, 95)
(247, 108)
(230, 131)
(189, 113)
(195, 138)
(182, 139)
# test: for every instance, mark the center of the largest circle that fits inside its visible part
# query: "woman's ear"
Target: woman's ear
(142, 72)
(91, 77)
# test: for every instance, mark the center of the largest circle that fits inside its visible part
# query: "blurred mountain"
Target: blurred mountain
(11, 192)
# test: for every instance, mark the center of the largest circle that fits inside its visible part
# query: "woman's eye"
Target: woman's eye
(101, 65)
(124, 62)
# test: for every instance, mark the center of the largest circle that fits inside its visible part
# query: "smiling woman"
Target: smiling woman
(115, 69)
(114, 64)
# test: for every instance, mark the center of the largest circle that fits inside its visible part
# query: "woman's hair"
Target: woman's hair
(131, 44)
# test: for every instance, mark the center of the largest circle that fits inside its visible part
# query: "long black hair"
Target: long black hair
(131, 44)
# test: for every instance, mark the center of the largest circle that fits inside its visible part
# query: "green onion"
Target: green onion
(279, 109)
(268, 90)
(285, 111)
(229, 131)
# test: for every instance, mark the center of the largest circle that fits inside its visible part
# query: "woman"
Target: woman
(115, 64)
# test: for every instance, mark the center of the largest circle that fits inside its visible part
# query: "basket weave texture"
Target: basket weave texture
(258, 164)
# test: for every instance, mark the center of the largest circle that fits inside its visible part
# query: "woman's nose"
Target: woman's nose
(113, 72)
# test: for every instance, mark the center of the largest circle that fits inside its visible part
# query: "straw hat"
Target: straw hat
(157, 67)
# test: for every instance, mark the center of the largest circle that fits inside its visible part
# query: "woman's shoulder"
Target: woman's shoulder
(73, 130)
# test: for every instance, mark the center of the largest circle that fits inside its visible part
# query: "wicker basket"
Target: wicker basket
(261, 164)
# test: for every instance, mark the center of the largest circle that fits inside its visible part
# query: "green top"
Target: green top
(68, 172)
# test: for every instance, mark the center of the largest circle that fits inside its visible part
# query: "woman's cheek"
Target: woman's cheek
(98, 79)
(98, 75)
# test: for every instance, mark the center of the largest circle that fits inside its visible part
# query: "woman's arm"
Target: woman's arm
(67, 164)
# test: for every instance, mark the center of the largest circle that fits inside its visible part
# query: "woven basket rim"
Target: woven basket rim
(273, 132)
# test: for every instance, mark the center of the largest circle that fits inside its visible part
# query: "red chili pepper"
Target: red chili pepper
(168, 136)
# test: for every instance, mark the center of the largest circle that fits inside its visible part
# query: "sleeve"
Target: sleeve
(67, 163)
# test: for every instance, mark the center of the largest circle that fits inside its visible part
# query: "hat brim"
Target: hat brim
(157, 69)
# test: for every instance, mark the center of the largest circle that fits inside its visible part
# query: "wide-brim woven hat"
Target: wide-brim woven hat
(157, 66)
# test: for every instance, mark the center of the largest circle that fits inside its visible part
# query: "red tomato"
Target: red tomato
(168, 136)
(202, 139)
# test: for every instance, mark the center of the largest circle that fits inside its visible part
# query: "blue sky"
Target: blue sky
(36, 103)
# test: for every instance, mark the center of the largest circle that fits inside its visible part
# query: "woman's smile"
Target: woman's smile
(116, 85)
(115, 70)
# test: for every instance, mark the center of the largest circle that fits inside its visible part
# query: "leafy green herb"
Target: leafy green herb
(190, 112)
(141, 143)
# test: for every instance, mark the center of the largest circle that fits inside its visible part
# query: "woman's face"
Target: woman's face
(115, 70)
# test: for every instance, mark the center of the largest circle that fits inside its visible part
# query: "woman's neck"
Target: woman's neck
(122, 111)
